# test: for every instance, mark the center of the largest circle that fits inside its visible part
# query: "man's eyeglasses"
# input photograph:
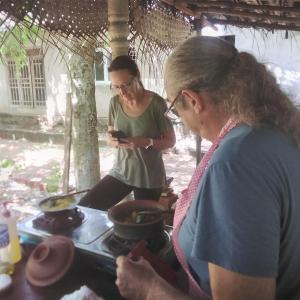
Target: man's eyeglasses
(171, 107)
(124, 87)
(195, 86)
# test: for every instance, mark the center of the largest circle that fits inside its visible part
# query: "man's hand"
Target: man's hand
(134, 278)
(137, 280)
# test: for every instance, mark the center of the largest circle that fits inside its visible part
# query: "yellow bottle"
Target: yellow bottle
(5, 265)
(13, 253)
(14, 247)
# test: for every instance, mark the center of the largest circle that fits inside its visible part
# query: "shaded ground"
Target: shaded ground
(31, 171)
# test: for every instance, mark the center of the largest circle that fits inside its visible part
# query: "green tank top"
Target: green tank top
(142, 168)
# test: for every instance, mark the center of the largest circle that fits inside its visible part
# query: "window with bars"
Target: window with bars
(27, 85)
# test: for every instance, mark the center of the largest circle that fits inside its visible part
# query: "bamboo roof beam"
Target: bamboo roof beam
(231, 5)
(257, 16)
(268, 26)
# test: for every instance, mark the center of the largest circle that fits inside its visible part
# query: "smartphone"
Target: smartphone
(118, 134)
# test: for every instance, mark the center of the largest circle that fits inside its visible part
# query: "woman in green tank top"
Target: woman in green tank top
(139, 131)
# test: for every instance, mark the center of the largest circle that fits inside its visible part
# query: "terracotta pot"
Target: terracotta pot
(132, 231)
(50, 260)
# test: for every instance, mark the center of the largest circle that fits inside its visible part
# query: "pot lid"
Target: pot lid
(50, 261)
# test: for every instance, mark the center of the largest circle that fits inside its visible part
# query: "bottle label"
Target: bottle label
(4, 236)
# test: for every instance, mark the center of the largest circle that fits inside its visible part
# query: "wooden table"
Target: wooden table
(81, 273)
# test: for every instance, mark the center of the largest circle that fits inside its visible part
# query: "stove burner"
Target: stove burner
(59, 222)
(119, 246)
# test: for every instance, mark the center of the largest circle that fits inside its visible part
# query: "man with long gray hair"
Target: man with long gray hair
(237, 225)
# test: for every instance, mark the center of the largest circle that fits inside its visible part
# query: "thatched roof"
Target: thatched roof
(269, 15)
(159, 25)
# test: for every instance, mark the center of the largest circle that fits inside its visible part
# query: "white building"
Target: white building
(40, 87)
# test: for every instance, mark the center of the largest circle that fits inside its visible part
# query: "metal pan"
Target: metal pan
(59, 203)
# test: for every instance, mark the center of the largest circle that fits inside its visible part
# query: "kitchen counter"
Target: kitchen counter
(81, 273)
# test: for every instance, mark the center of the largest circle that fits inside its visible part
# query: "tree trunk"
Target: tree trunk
(85, 136)
(67, 142)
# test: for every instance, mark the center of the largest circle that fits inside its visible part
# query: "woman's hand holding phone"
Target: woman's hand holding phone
(116, 138)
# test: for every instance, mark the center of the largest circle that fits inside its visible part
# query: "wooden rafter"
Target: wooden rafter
(256, 24)
(240, 6)
(257, 16)
(270, 17)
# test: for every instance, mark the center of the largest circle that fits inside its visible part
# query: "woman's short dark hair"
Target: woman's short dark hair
(124, 62)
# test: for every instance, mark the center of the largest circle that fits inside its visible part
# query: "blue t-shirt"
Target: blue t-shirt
(245, 216)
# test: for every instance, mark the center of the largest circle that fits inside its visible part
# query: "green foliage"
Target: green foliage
(54, 179)
(7, 163)
(13, 49)
(16, 41)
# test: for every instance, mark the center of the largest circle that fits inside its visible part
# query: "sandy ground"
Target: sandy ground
(23, 183)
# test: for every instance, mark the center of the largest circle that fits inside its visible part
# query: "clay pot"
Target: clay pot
(50, 261)
(131, 231)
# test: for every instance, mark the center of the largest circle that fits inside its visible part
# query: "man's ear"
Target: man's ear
(194, 100)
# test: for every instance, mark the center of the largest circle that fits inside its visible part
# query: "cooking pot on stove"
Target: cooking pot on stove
(120, 213)
(59, 203)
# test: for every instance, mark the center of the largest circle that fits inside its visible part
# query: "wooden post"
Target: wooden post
(67, 143)
(118, 18)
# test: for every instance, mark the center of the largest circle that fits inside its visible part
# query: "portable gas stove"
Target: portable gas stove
(92, 234)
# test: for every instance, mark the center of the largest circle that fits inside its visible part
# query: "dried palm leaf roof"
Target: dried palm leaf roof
(82, 25)
(157, 25)
(88, 17)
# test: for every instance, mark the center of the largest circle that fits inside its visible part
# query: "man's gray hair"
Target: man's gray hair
(236, 82)
(202, 61)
